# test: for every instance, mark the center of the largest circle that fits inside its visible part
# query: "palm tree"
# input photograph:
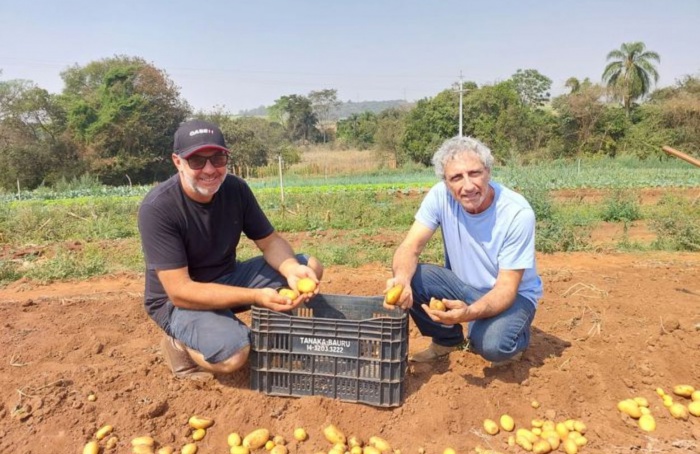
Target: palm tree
(630, 74)
(573, 84)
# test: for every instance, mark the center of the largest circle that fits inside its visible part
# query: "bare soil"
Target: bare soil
(610, 326)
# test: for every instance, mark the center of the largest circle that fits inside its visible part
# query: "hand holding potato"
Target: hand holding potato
(455, 312)
(271, 299)
(398, 294)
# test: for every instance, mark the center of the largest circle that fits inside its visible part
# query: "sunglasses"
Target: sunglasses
(197, 162)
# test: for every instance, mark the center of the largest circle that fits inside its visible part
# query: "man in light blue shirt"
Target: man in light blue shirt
(489, 279)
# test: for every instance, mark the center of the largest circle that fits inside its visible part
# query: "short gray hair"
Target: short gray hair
(457, 145)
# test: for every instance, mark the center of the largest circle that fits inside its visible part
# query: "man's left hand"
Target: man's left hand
(457, 312)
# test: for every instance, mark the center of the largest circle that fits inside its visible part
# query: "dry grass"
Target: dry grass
(326, 161)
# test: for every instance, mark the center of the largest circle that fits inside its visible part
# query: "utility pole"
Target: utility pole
(461, 90)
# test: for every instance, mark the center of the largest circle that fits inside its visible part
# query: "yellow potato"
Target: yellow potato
(370, 450)
(200, 422)
(449, 451)
(234, 439)
(561, 430)
(490, 427)
(541, 447)
(239, 450)
(507, 423)
(142, 449)
(381, 444)
(528, 435)
(189, 448)
(279, 449)
(630, 408)
(679, 411)
(279, 440)
(535, 404)
(694, 408)
(166, 450)
(523, 442)
(103, 432)
(695, 396)
(111, 442)
(647, 423)
(641, 401)
(393, 294)
(660, 392)
(580, 427)
(306, 285)
(269, 445)
(356, 450)
(334, 435)
(570, 446)
(145, 440)
(554, 441)
(437, 305)
(288, 293)
(91, 447)
(683, 390)
(199, 434)
(256, 439)
(300, 434)
(355, 441)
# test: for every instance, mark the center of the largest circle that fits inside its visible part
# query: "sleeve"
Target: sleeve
(162, 244)
(518, 251)
(256, 225)
(429, 213)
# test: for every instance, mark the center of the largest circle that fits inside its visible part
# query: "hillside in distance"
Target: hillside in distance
(344, 110)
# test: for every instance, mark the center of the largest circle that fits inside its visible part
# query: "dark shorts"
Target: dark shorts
(219, 334)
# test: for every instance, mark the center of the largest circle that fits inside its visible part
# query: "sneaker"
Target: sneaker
(517, 357)
(432, 353)
(180, 362)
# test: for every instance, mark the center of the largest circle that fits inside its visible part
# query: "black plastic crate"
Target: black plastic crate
(344, 347)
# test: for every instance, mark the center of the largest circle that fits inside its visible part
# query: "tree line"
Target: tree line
(115, 119)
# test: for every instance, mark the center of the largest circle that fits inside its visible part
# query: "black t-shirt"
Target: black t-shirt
(176, 232)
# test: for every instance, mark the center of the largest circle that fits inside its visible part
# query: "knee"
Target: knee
(234, 362)
(497, 350)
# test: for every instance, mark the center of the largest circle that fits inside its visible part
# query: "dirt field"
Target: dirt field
(610, 326)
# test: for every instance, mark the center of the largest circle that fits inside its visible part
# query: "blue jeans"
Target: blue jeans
(496, 339)
(219, 334)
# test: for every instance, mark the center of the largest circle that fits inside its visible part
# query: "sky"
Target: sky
(237, 55)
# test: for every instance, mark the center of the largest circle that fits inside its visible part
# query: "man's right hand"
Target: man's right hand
(270, 299)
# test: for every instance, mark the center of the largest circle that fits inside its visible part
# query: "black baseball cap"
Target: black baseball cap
(196, 135)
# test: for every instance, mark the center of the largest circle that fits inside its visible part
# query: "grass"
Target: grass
(356, 216)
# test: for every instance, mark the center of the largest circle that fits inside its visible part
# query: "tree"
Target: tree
(323, 102)
(629, 76)
(34, 148)
(532, 87)
(124, 112)
(294, 112)
(358, 130)
(391, 124)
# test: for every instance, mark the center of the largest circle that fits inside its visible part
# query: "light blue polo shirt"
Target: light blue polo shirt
(478, 245)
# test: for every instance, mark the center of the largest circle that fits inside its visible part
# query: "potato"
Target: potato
(694, 408)
(234, 439)
(449, 451)
(437, 305)
(695, 396)
(333, 434)
(683, 390)
(189, 448)
(630, 408)
(103, 432)
(381, 444)
(507, 423)
(145, 440)
(356, 450)
(256, 439)
(580, 427)
(111, 442)
(581, 441)
(641, 401)
(279, 449)
(142, 449)
(561, 430)
(306, 285)
(300, 434)
(200, 422)
(288, 293)
(491, 427)
(91, 447)
(355, 441)
(239, 450)
(554, 441)
(570, 446)
(541, 447)
(393, 294)
(647, 423)
(535, 404)
(199, 434)
(679, 411)
(523, 442)
(269, 445)
(528, 435)
(370, 450)
(166, 450)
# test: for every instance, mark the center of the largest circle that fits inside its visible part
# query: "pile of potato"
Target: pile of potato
(542, 437)
(638, 407)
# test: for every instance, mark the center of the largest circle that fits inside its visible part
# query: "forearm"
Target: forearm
(491, 304)
(209, 295)
(404, 263)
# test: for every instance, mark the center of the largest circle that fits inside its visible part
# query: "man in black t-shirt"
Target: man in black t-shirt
(190, 226)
